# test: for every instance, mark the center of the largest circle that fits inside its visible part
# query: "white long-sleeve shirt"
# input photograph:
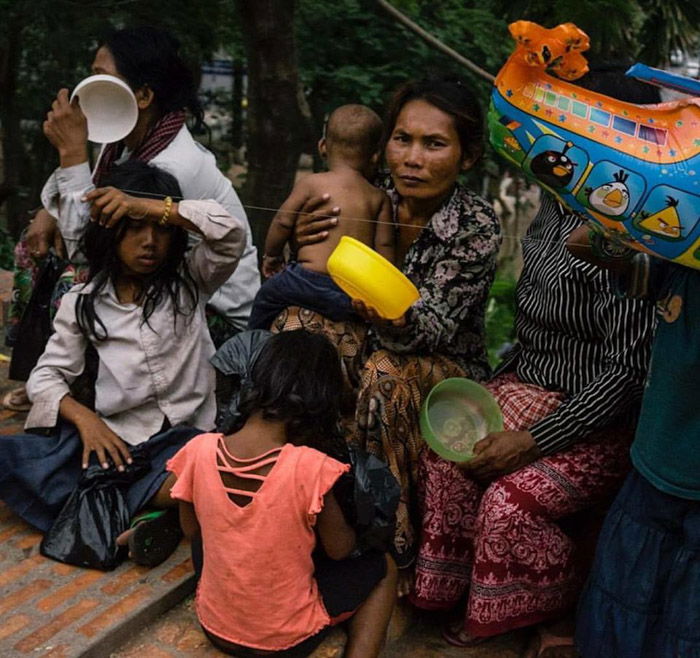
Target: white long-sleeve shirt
(195, 169)
(147, 371)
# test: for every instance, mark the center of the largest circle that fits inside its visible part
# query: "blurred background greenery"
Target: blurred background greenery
(293, 61)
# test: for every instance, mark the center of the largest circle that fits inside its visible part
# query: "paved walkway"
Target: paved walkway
(412, 634)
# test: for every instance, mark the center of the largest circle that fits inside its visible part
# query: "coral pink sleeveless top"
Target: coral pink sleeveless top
(257, 587)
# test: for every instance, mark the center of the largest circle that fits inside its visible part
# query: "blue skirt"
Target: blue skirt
(38, 473)
(642, 599)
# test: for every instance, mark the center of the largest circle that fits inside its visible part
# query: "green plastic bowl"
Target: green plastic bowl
(457, 413)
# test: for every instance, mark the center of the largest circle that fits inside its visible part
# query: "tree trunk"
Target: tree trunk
(15, 165)
(276, 124)
(237, 96)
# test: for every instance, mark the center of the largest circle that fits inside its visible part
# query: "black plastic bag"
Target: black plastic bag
(34, 327)
(95, 514)
(368, 496)
(233, 361)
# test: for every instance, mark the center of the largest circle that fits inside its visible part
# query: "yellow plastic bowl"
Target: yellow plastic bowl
(363, 274)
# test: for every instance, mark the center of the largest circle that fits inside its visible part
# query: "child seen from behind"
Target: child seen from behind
(276, 572)
(351, 147)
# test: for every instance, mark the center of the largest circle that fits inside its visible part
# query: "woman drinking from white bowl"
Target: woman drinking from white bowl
(148, 60)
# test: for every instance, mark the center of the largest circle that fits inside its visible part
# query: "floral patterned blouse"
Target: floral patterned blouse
(452, 263)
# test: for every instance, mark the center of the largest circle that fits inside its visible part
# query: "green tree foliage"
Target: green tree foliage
(350, 51)
(500, 317)
(637, 30)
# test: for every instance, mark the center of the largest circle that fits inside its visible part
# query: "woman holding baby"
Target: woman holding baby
(447, 242)
(504, 529)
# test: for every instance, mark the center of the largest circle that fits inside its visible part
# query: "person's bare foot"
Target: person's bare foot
(152, 537)
(404, 583)
(553, 640)
(123, 539)
(17, 400)
(454, 633)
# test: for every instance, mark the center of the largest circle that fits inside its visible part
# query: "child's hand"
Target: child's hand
(271, 265)
(370, 314)
(109, 205)
(98, 438)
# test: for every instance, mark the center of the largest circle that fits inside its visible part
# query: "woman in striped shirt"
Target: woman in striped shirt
(568, 391)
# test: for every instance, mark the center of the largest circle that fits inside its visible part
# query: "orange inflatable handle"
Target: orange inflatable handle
(557, 50)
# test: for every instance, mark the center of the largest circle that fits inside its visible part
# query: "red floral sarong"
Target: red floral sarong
(508, 546)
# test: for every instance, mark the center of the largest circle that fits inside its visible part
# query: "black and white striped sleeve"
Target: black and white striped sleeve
(615, 389)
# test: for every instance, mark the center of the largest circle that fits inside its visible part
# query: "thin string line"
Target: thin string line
(505, 236)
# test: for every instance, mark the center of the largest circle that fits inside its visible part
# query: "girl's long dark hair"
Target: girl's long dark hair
(100, 247)
(150, 56)
(297, 379)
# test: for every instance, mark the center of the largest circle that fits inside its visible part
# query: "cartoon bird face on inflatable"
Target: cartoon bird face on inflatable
(631, 170)
(610, 198)
(553, 168)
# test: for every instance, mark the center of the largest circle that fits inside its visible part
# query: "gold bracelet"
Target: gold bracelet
(166, 212)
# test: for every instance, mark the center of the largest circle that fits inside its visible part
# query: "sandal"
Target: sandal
(453, 633)
(17, 400)
(155, 537)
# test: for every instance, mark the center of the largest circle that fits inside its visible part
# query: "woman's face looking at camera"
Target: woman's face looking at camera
(424, 153)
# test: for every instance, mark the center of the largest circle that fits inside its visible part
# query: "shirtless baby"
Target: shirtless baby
(351, 147)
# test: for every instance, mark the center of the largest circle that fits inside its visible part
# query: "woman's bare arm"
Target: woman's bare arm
(312, 225)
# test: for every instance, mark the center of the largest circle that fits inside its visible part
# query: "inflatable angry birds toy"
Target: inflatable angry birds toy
(632, 170)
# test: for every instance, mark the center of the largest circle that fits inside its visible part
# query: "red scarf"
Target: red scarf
(160, 136)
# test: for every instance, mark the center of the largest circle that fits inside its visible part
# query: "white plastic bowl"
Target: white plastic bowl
(109, 106)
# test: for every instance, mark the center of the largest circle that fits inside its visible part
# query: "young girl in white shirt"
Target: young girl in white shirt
(142, 310)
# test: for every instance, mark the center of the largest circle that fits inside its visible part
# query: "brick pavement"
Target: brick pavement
(59, 611)
(53, 609)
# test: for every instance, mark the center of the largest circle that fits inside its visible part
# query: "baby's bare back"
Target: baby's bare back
(359, 203)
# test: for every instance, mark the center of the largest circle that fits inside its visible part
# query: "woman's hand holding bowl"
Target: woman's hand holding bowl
(500, 453)
(370, 314)
(66, 128)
